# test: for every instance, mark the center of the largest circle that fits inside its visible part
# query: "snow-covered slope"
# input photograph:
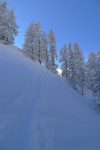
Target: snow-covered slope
(38, 111)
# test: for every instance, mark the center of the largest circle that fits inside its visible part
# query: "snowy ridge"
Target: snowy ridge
(38, 111)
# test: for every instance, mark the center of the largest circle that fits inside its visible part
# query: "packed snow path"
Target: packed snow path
(38, 111)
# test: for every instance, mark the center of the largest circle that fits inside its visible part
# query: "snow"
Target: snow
(39, 111)
(59, 71)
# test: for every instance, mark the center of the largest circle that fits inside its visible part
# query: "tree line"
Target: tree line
(83, 76)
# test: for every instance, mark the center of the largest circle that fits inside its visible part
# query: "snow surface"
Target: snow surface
(38, 111)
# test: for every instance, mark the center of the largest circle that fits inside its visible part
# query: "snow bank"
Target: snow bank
(38, 111)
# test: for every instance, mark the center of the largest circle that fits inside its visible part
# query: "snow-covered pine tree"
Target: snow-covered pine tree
(64, 61)
(71, 70)
(29, 47)
(42, 43)
(79, 69)
(36, 45)
(12, 27)
(97, 78)
(44, 51)
(8, 26)
(53, 53)
(91, 72)
(2, 21)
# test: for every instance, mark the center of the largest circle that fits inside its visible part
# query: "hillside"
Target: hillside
(38, 111)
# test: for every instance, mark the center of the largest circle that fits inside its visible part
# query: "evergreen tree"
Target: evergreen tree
(8, 26)
(30, 41)
(12, 27)
(79, 69)
(36, 45)
(71, 69)
(53, 54)
(91, 72)
(64, 61)
(97, 77)
(3, 22)
(43, 49)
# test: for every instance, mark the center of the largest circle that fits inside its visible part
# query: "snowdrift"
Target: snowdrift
(38, 111)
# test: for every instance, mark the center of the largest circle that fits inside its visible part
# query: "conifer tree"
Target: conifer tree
(71, 69)
(79, 69)
(8, 26)
(64, 61)
(90, 72)
(53, 53)
(36, 44)
(97, 77)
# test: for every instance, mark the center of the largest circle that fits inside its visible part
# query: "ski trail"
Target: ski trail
(26, 122)
(36, 124)
(22, 117)
(42, 137)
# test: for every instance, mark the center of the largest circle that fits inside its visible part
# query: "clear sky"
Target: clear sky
(72, 20)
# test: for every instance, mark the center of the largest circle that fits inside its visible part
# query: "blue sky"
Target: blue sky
(72, 20)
